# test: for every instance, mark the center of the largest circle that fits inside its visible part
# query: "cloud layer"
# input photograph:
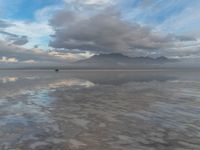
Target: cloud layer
(67, 30)
(107, 32)
(4, 24)
(11, 53)
(14, 38)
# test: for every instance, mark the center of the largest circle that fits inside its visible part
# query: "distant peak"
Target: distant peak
(116, 59)
(116, 54)
(112, 55)
(120, 55)
(162, 57)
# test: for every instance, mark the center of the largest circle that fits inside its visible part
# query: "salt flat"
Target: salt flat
(100, 110)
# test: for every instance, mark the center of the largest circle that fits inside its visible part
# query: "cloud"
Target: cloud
(29, 33)
(15, 39)
(21, 40)
(4, 24)
(16, 54)
(90, 2)
(107, 32)
(80, 28)
(8, 34)
(184, 38)
(8, 60)
(43, 14)
(22, 54)
(65, 18)
(71, 56)
(186, 22)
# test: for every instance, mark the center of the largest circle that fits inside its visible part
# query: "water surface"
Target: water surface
(100, 110)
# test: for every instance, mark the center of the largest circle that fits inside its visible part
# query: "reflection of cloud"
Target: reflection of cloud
(17, 55)
(25, 82)
(8, 79)
(71, 82)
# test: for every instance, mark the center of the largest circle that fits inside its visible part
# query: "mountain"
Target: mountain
(120, 60)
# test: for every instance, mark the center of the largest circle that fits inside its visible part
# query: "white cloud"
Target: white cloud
(187, 22)
(71, 57)
(15, 54)
(37, 32)
(8, 60)
(43, 15)
(30, 61)
(91, 2)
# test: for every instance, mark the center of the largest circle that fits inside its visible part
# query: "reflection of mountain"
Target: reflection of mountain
(8, 79)
(36, 80)
(24, 81)
(120, 60)
(122, 77)
(13, 82)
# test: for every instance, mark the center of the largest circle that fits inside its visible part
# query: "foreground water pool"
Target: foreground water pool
(100, 110)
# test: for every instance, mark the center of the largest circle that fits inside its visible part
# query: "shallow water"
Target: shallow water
(100, 110)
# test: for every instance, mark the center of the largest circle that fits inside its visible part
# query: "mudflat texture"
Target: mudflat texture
(100, 110)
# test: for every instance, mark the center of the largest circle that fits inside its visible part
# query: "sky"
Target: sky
(63, 31)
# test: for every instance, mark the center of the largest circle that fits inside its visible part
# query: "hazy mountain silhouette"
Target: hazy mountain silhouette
(109, 61)
(117, 59)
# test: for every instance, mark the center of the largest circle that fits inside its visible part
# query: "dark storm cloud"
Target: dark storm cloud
(106, 32)
(15, 39)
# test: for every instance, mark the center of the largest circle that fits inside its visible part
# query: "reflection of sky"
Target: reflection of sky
(112, 102)
(8, 79)
(25, 82)
(24, 117)
(16, 82)
(71, 82)
(25, 103)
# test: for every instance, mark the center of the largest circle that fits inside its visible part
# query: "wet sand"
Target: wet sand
(99, 110)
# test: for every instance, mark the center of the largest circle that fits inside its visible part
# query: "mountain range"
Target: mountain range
(120, 60)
